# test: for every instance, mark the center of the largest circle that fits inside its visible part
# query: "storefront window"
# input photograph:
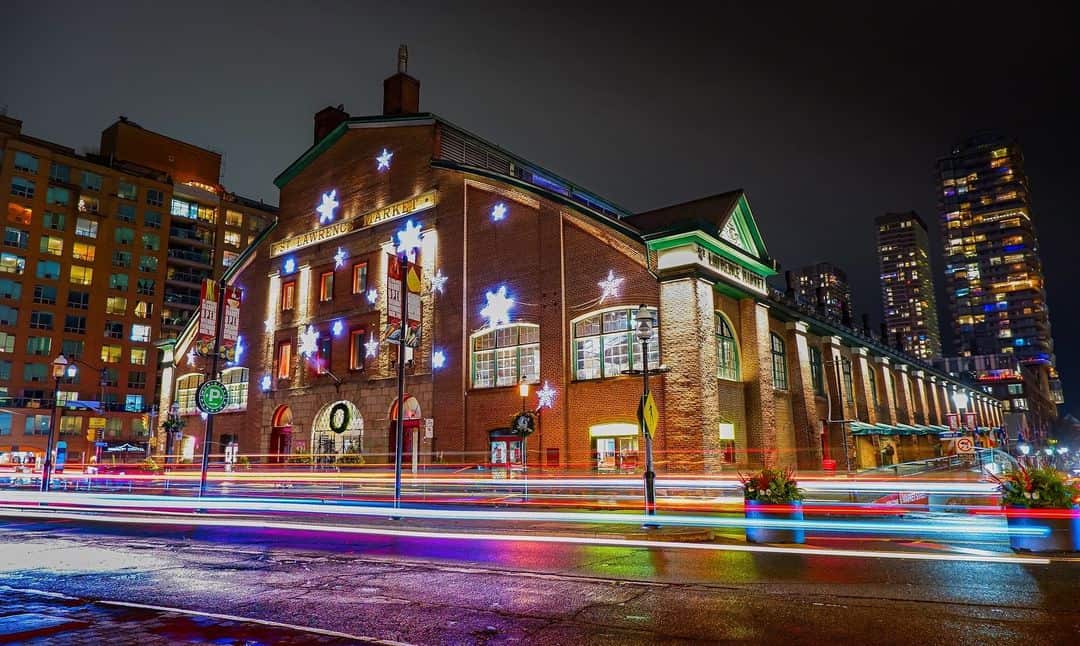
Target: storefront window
(185, 393)
(236, 382)
(505, 355)
(727, 351)
(605, 344)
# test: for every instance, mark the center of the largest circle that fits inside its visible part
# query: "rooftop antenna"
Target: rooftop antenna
(402, 59)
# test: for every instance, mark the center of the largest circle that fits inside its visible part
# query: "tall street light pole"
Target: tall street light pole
(408, 241)
(644, 333)
(208, 434)
(60, 369)
(523, 390)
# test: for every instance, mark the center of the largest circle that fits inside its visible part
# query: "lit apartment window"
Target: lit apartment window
(21, 239)
(232, 238)
(86, 228)
(110, 353)
(284, 359)
(326, 286)
(234, 218)
(140, 332)
(288, 296)
(185, 393)
(116, 304)
(7, 342)
(138, 356)
(51, 245)
(12, 264)
(126, 191)
(143, 309)
(81, 275)
(83, 251)
(19, 214)
(236, 382)
(359, 278)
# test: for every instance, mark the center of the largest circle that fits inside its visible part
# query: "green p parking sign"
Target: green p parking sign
(212, 397)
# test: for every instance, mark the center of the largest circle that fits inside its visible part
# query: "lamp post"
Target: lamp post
(408, 241)
(644, 321)
(60, 369)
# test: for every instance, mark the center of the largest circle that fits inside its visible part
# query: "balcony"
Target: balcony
(181, 300)
(195, 258)
(185, 278)
(192, 238)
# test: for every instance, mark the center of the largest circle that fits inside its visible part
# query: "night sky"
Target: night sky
(827, 117)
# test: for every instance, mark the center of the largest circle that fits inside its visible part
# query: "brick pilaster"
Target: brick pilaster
(863, 387)
(905, 407)
(923, 414)
(887, 410)
(757, 373)
(807, 439)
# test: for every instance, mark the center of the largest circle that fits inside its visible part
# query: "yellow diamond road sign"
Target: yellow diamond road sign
(650, 414)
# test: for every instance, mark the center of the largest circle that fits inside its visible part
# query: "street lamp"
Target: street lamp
(523, 390)
(644, 321)
(408, 241)
(60, 369)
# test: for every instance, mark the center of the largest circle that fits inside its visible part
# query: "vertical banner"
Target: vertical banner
(393, 302)
(208, 313)
(230, 324)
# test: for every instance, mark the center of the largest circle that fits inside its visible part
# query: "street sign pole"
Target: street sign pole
(650, 475)
(399, 426)
(209, 434)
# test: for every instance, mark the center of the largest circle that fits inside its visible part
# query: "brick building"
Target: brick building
(102, 254)
(527, 277)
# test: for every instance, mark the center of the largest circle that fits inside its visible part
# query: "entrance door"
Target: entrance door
(605, 454)
(280, 443)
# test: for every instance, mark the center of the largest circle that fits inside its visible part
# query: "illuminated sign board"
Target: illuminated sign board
(378, 216)
(695, 255)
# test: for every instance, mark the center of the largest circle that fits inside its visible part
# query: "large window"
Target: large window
(873, 386)
(185, 393)
(326, 286)
(284, 359)
(48, 269)
(605, 344)
(236, 382)
(81, 275)
(22, 187)
(359, 278)
(504, 355)
(357, 349)
(817, 371)
(779, 362)
(59, 172)
(26, 162)
(727, 350)
(849, 385)
(288, 296)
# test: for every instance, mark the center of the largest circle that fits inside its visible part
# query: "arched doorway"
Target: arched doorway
(281, 434)
(413, 418)
(326, 445)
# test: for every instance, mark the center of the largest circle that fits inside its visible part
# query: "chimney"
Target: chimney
(327, 119)
(401, 92)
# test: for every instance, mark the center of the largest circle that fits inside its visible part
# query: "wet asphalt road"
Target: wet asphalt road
(438, 591)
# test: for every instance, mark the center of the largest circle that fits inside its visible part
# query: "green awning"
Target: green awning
(862, 428)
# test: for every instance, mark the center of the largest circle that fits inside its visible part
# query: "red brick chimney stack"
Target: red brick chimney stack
(401, 92)
(327, 119)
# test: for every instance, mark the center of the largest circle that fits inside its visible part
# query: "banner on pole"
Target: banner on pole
(393, 302)
(230, 324)
(208, 313)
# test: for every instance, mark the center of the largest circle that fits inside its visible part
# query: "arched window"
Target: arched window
(236, 382)
(185, 392)
(503, 355)
(605, 343)
(779, 362)
(817, 371)
(727, 350)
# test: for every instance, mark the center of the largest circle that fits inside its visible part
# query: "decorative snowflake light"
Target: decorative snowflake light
(264, 383)
(191, 356)
(498, 212)
(338, 327)
(339, 258)
(371, 347)
(545, 397)
(438, 359)
(309, 342)
(383, 159)
(408, 240)
(326, 209)
(372, 296)
(290, 265)
(497, 309)
(438, 281)
(268, 324)
(609, 287)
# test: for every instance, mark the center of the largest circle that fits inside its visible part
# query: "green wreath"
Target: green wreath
(345, 415)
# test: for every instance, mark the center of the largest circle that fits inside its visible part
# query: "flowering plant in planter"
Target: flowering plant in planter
(771, 487)
(1040, 488)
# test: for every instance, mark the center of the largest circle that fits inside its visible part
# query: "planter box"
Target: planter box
(1064, 533)
(754, 511)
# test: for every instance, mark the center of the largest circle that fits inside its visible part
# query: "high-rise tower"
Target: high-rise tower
(909, 307)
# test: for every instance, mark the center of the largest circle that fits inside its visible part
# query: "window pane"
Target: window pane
(616, 353)
(587, 358)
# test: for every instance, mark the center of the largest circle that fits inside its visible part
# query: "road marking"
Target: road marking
(524, 538)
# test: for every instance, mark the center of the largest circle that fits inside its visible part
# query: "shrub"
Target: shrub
(1039, 488)
(771, 486)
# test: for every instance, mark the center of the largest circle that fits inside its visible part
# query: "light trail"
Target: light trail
(527, 538)
(968, 526)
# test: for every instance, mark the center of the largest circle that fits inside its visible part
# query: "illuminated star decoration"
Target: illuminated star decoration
(264, 383)
(326, 209)
(497, 309)
(191, 356)
(498, 212)
(338, 328)
(438, 281)
(384, 159)
(290, 265)
(408, 240)
(545, 397)
(309, 342)
(372, 295)
(609, 286)
(339, 258)
(239, 351)
(371, 347)
(269, 324)
(438, 359)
